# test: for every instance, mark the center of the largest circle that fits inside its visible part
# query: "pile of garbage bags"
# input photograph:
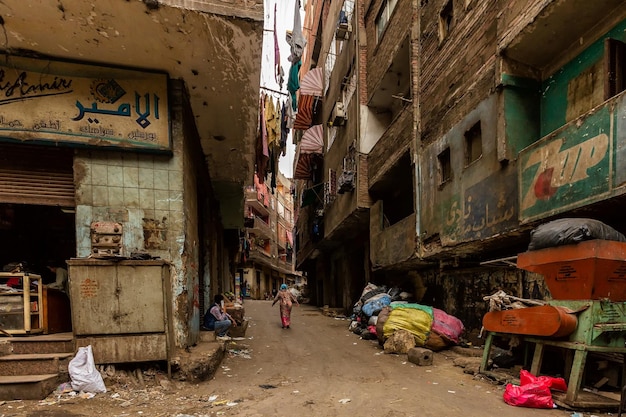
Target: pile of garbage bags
(381, 312)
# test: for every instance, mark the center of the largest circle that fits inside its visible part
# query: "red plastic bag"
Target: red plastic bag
(551, 382)
(534, 395)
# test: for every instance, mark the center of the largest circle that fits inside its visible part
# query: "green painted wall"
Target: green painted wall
(521, 111)
(554, 90)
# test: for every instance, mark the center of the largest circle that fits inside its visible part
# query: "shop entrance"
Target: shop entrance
(37, 235)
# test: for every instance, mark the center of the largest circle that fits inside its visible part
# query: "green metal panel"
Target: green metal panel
(603, 323)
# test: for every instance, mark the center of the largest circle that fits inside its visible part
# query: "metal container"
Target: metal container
(590, 270)
(121, 308)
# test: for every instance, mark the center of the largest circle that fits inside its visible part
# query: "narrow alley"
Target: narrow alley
(315, 368)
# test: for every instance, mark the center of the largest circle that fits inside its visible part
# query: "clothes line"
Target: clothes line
(274, 91)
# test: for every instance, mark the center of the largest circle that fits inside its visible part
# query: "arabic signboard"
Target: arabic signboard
(570, 168)
(78, 104)
(483, 210)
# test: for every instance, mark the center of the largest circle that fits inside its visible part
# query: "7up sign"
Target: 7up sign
(568, 169)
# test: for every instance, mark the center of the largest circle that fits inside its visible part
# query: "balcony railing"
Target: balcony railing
(261, 229)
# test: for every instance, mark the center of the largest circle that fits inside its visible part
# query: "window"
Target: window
(473, 144)
(445, 21)
(445, 166)
(615, 63)
(383, 17)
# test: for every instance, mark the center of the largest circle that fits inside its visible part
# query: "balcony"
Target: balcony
(555, 25)
(255, 201)
(577, 165)
(260, 228)
(391, 245)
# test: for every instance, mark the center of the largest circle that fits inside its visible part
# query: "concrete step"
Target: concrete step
(62, 342)
(27, 387)
(34, 363)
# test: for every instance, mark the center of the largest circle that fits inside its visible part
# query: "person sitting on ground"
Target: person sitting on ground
(218, 320)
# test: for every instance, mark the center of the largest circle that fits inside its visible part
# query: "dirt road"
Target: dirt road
(316, 368)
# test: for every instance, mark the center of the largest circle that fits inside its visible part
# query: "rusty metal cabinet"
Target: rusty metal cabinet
(121, 308)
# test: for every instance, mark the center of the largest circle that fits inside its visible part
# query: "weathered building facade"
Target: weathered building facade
(267, 257)
(140, 114)
(477, 121)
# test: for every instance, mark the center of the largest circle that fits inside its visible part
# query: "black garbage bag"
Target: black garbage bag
(570, 231)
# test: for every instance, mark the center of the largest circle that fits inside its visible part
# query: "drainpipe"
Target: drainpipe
(416, 74)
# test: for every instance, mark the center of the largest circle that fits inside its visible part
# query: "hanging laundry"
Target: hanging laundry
(272, 122)
(293, 83)
(295, 39)
(290, 113)
(262, 150)
(284, 130)
(279, 74)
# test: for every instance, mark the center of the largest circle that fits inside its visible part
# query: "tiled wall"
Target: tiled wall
(143, 192)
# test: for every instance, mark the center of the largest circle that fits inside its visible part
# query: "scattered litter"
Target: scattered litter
(87, 395)
(238, 338)
(403, 363)
(380, 353)
(435, 383)
(117, 394)
(221, 402)
(295, 392)
(428, 370)
(344, 400)
(395, 401)
(576, 415)
(259, 371)
(243, 353)
(354, 343)
(452, 392)
(213, 398)
(267, 386)
(231, 404)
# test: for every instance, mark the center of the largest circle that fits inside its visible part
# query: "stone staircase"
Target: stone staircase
(31, 367)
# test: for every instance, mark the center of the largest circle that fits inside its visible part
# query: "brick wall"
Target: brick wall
(458, 72)
(380, 53)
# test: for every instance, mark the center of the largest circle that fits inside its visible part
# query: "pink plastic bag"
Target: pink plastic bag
(534, 395)
(551, 382)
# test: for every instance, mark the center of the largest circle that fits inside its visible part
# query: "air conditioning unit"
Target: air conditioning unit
(343, 30)
(338, 117)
